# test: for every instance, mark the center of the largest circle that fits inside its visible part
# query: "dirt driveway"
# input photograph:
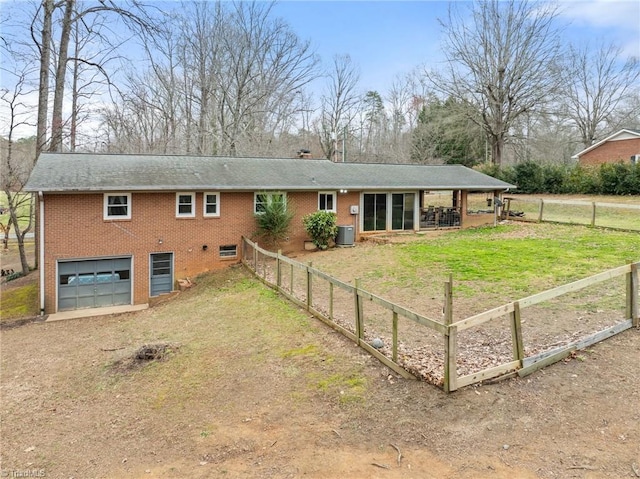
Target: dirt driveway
(258, 389)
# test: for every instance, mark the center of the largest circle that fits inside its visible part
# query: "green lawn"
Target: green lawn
(516, 257)
(20, 302)
(489, 265)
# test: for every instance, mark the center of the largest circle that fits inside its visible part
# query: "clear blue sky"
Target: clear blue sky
(387, 38)
(384, 38)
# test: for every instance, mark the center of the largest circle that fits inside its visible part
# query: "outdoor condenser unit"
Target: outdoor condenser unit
(345, 236)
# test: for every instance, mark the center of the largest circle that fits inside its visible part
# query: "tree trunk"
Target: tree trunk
(6, 230)
(14, 204)
(43, 92)
(56, 118)
(74, 94)
(497, 148)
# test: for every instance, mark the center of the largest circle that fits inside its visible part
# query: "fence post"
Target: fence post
(632, 295)
(278, 272)
(330, 300)
(358, 312)
(450, 340)
(540, 210)
(395, 338)
(593, 214)
(291, 280)
(309, 286)
(255, 257)
(516, 333)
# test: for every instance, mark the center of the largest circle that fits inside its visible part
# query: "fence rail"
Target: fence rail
(316, 293)
(624, 216)
(526, 365)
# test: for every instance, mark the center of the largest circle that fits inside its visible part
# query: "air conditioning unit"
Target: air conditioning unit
(635, 159)
(345, 236)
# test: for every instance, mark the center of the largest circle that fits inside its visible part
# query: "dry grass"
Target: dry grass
(258, 389)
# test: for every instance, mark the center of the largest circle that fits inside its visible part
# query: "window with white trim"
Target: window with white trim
(261, 200)
(185, 205)
(117, 206)
(211, 202)
(327, 201)
(228, 251)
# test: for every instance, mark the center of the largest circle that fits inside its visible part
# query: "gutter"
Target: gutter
(41, 252)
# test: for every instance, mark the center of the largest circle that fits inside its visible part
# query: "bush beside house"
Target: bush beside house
(321, 227)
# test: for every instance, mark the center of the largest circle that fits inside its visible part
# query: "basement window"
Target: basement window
(228, 251)
(117, 206)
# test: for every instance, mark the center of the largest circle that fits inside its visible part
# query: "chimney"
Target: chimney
(304, 154)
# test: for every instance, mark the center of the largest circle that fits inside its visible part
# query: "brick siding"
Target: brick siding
(611, 152)
(75, 230)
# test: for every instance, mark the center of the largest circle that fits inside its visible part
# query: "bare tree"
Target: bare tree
(596, 83)
(227, 76)
(501, 60)
(338, 104)
(264, 66)
(400, 118)
(16, 165)
(43, 44)
(134, 16)
(94, 49)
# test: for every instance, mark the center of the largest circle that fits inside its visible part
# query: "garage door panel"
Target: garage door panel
(65, 304)
(86, 302)
(94, 283)
(87, 267)
(123, 298)
(121, 263)
(67, 268)
(122, 287)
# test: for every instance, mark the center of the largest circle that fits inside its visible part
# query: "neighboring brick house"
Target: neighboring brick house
(621, 147)
(121, 229)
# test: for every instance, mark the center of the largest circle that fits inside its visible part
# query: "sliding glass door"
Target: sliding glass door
(376, 214)
(402, 211)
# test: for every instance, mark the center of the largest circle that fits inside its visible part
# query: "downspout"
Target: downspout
(41, 252)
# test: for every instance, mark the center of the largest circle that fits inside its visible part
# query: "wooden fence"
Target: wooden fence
(298, 282)
(623, 216)
(526, 365)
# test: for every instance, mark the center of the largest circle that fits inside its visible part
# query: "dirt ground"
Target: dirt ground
(254, 394)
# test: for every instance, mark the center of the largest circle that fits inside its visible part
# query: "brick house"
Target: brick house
(621, 147)
(122, 229)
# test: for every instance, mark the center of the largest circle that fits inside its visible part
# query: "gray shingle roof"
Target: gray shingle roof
(67, 172)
